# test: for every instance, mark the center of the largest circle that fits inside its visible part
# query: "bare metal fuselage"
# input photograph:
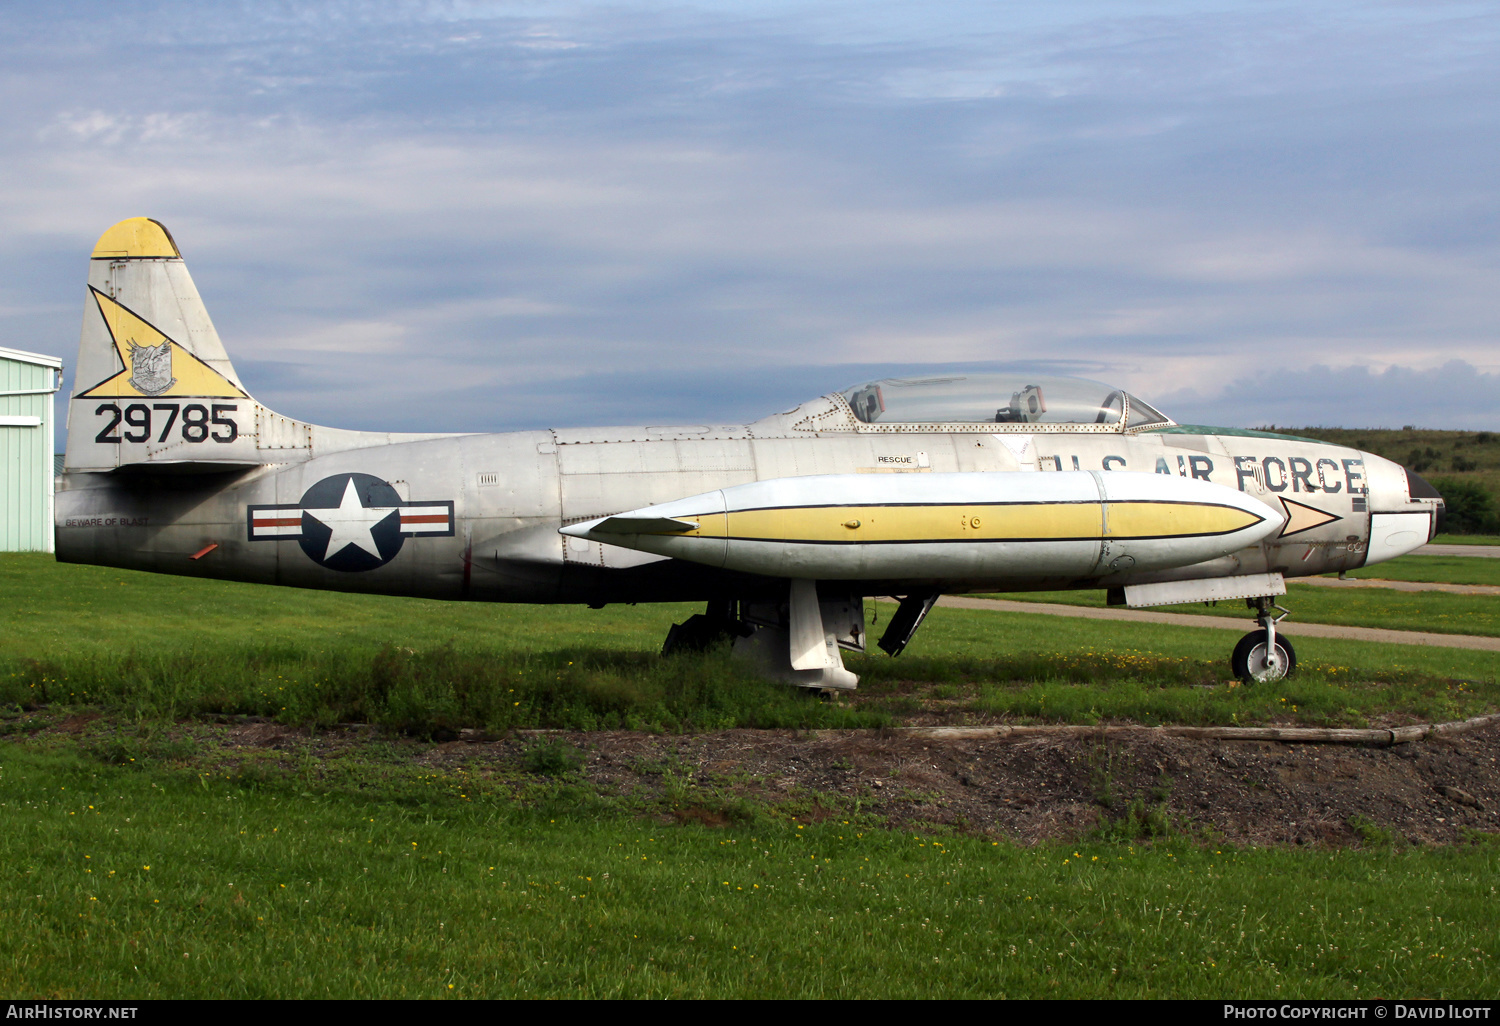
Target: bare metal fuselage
(512, 492)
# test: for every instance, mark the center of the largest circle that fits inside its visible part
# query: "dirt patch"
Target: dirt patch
(262, 735)
(1435, 791)
(702, 816)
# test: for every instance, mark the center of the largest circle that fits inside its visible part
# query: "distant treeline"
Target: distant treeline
(1463, 465)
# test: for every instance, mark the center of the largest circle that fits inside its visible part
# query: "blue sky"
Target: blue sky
(486, 216)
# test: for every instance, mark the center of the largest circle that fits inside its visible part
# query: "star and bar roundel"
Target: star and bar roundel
(351, 522)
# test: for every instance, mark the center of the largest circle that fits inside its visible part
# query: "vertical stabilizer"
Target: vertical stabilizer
(152, 383)
(154, 387)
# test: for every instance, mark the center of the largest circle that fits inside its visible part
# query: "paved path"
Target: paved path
(1309, 630)
(1491, 551)
(1376, 582)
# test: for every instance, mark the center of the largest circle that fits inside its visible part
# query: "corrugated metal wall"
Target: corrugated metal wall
(25, 459)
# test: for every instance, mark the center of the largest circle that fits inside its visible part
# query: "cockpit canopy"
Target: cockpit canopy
(998, 399)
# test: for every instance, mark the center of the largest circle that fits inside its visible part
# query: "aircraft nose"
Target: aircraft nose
(1418, 488)
(1404, 510)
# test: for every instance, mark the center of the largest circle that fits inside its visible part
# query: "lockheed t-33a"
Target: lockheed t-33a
(907, 487)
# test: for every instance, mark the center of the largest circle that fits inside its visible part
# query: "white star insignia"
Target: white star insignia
(351, 523)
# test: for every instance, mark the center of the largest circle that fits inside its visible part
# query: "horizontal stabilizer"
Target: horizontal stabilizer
(184, 468)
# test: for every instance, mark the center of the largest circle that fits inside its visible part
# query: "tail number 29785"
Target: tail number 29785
(195, 422)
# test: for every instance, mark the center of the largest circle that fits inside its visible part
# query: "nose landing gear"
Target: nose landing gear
(1263, 657)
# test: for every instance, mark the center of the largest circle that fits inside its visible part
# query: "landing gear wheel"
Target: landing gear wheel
(1251, 664)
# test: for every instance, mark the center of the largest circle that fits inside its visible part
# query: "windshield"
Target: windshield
(996, 399)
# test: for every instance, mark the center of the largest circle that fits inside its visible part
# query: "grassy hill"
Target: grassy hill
(1463, 465)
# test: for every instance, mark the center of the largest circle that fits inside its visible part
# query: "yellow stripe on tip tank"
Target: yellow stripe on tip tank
(1048, 521)
(1168, 519)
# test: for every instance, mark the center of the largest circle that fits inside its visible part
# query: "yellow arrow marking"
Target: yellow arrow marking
(1301, 518)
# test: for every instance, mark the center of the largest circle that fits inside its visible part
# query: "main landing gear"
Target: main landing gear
(719, 622)
(1263, 656)
(800, 638)
(796, 639)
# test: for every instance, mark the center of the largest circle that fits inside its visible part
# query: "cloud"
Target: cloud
(1454, 396)
(418, 203)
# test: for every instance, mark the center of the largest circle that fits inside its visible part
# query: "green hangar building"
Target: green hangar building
(27, 383)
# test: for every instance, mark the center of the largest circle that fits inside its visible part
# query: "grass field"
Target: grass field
(1440, 612)
(1467, 539)
(162, 647)
(1443, 569)
(141, 858)
(174, 881)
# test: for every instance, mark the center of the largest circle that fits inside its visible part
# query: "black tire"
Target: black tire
(1249, 659)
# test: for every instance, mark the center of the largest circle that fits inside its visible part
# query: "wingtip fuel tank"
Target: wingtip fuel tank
(934, 526)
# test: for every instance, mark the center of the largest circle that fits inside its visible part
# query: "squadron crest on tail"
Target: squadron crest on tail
(150, 367)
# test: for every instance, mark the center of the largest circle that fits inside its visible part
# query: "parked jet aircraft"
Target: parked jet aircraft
(910, 487)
